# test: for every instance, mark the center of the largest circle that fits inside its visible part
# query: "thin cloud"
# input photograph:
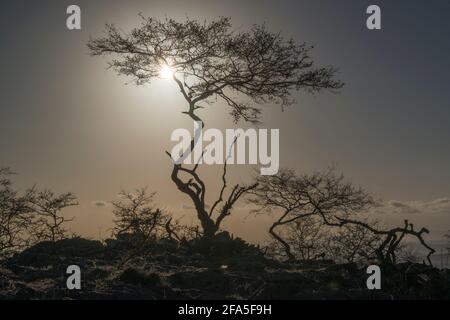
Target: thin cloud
(100, 203)
(440, 205)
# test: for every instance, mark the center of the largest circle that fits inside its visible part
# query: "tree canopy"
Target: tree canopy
(211, 60)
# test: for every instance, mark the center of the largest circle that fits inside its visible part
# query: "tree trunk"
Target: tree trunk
(287, 247)
(208, 225)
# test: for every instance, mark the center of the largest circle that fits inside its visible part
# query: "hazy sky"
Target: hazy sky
(69, 124)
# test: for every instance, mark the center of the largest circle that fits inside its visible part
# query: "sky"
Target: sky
(68, 124)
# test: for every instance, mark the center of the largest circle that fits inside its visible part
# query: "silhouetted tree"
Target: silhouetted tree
(310, 238)
(181, 232)
(300, 197)
(352, 243)
(16, 215)
(212, 61)
(407, 253)
(306, 238)
(136, 215)
(138, 222)
(336, 202)
(50, 223)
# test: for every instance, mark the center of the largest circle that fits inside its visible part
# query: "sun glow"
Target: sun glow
(166, 72)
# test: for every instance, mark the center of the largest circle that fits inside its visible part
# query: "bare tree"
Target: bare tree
(16, 215)
(299, 197)
(195, 188)
(336, 202)
(310, 238)
(407, 253)
(306, 238)
(181, 232)
(50, 222)
(136, 215)
(211, 61)
(139, 222)
(352, 243)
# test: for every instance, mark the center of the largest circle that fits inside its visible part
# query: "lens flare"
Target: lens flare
(166, 72)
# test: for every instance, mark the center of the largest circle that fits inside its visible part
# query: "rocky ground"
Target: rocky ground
(224, 269)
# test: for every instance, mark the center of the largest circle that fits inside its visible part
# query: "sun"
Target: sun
(166, 72)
